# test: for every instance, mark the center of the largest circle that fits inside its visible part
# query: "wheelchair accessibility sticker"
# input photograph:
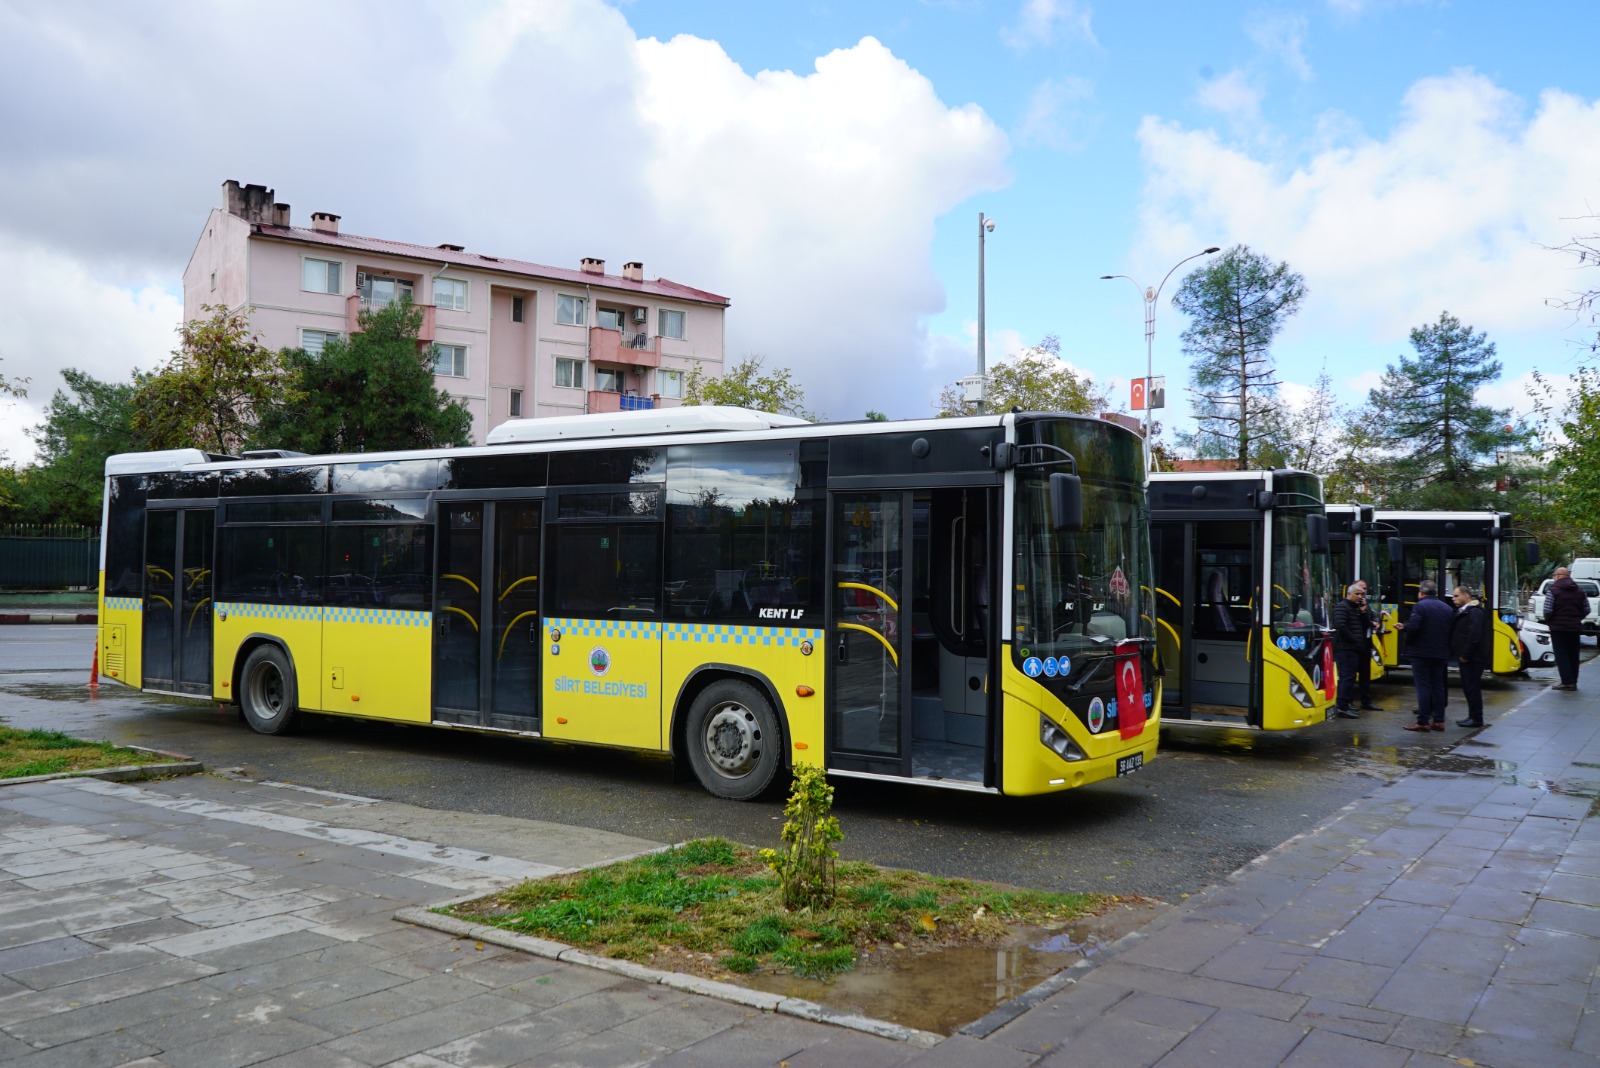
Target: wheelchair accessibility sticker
(1291, 641)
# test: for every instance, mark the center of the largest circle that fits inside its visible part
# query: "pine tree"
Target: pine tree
(1425, 415)
(1236, 304)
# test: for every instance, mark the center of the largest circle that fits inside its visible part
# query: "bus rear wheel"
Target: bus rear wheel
(269, 698)
(735, 746)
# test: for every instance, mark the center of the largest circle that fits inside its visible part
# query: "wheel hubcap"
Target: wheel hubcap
(733, 739)
(268, 692)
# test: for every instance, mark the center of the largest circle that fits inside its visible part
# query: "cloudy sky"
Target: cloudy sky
(824, 165)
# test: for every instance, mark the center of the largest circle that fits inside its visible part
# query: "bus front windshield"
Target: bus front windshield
(1299, 576)
(1085, 591)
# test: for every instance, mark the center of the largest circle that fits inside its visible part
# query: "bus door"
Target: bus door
(1448, 565)
(487, 632)
(177, 600)
(911, 637)
(1223, 666)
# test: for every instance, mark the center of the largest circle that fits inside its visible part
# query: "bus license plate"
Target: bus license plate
(1129, 764)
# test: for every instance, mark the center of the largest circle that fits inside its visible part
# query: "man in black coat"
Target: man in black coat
(1428, 644)
(1352, 651)
(1469, 647)
(1565, 607)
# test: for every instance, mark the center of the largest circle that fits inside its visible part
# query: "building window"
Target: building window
(319, 276)
(609, 318)
(670, 384)
(570, 311)
(671, 324)
(516, 309)
(450, 294)
(380, 292)
(608, 379)
(213, 281)
(312, 341)
(569, 373)
(516, 401)
(450, 360)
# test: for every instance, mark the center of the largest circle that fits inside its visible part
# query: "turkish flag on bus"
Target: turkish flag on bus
(1329, 682)
(1130, 690)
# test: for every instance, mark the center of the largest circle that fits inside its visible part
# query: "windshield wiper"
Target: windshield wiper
(1100, 662)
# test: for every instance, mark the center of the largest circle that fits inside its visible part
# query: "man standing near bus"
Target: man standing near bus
(1470, 638)
(1564, 609)
(1428, 643)
(1352, 651)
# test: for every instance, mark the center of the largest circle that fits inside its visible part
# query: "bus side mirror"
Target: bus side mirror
(1317, 532)
(1265, 499)
(1397, 552)
(1066, 501)
(1531, 550)
(1366, 513)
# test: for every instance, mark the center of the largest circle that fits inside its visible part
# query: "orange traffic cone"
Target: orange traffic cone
(94, 670)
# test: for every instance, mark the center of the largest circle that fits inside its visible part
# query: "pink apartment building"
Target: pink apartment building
(511, 339)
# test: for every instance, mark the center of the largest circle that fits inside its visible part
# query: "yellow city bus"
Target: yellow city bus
(1242, 598)
(1476, 549)
(935, 602)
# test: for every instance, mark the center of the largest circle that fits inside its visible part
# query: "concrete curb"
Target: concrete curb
(693, 984)
(124, 773)
(49, 617)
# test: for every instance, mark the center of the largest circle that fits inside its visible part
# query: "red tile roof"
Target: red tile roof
(660, 287)
(1204, 465)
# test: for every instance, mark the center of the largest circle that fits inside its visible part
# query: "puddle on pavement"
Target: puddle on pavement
(945, 989)
(80, 693)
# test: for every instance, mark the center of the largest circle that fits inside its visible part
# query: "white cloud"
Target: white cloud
(1039, 21)
(1283, 37)
(1233, 95)
(1448, 212)
(541, 131)
(1055, 117)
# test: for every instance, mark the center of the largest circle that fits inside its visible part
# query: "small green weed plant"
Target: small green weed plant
(806, 866)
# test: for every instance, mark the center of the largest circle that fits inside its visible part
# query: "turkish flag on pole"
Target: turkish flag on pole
(1138, 395)
(1130, 690)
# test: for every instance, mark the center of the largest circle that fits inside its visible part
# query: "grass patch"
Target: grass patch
(715, 908)
(24, 753)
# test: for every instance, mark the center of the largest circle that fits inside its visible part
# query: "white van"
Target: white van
(1586, 567)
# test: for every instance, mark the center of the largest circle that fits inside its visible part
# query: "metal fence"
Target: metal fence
(49, 557)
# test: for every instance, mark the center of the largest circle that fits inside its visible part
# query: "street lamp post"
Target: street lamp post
(1150, 296)
(985, 226)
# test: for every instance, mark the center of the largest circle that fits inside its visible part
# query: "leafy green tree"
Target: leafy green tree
(83, 424)
(1426, 417)
(1035, 380)
(1236, 304)
(746, 385)
(1575, 459)
(212, 392)
(876, 416)
(371, 392)
(1302, 436)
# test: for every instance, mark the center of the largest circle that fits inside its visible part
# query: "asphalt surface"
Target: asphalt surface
(1211, 802)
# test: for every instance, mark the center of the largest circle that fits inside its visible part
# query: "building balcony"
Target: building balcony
(631, 349)
(354, 305)
(603, 400)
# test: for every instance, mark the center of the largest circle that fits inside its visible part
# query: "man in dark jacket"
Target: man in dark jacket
(1565, 607)
(1469, 647)
(1352, 651)
(1428, 644)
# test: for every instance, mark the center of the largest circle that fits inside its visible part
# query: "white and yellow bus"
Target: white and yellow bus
(1243, 599)
(957, 602)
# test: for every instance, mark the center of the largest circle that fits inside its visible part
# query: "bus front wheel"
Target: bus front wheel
(268, 696)
(734, 743)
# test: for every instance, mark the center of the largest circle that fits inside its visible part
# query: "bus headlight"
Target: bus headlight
(1298, 692)
(1056, 739)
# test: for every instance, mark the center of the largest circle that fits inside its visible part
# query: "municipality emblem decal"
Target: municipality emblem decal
(599, 660)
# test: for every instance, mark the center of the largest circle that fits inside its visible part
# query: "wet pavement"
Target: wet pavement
(1449, 914)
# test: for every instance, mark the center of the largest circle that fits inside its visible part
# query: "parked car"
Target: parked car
(1536, 637)
(1591, 590)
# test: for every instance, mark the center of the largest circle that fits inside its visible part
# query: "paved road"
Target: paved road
(1209, 804)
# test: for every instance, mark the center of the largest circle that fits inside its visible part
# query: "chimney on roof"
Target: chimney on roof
(590, 265)
(325, 222)
(453, 248)
(254, 203)
(633, 272)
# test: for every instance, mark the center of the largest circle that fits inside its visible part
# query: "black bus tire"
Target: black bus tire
(735, 746)
(269, 698)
